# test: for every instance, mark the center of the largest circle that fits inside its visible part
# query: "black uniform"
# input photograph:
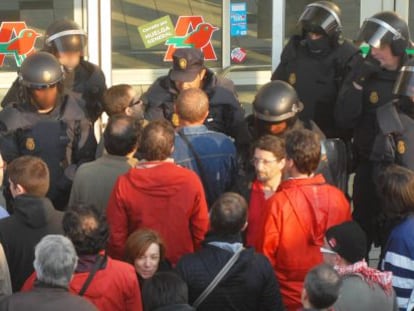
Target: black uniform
(395, 140)
(316, 78)
(357, 109)
(226, 115)
(63, 138)
(87, 79)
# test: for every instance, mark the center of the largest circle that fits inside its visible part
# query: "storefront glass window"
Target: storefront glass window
(37, 15)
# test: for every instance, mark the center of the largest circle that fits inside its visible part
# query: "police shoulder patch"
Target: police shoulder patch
(292, 79)
(373, 97)
(30, 144)
(401, 147)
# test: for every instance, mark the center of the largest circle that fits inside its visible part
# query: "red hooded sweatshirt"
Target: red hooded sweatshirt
(298, 215)
(164, 197)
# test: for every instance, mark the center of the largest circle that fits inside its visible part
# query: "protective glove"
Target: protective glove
(364, 68)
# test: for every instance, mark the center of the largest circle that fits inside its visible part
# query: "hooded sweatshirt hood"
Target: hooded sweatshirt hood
(33, 211)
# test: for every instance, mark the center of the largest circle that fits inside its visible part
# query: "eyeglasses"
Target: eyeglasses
(135, 101)
(256, 161)
(327, 251)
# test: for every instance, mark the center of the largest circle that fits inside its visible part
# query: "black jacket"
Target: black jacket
(249, 285)
(226, 115)
(33, 218)
(318, 91)
(46, 298)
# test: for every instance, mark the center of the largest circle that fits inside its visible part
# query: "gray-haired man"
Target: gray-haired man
(55, 262)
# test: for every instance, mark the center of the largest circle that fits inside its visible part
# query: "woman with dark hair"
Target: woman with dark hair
(397, 188)
(145, 250)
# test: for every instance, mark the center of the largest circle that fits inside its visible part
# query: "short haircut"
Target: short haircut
(304, 148)
(228, 214)
(122, 135)
(138, 243)
(164, 289)
(322, 285)
(116, 99)
(55, 260)
(396, 187)
(157, 140)
(273, 144)
(86, 227)
(192, 105)
(31, 173)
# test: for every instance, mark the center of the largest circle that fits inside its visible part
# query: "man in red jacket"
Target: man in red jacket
(159, 195)
(299, 214)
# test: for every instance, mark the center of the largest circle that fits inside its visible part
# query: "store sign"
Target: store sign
(238, 55)
(192, 32)
(238, 19)
(16, 40)
(157, 31)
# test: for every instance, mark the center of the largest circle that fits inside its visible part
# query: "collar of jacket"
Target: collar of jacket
(193, 129)
(33, 211)
(226, 238)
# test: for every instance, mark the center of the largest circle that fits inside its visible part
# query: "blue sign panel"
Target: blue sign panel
(238, 19)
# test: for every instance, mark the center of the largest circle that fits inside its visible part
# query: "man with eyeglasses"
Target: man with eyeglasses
(298, 214)
(268, 161)
(363, 288)
(48, 122)
(122, 99)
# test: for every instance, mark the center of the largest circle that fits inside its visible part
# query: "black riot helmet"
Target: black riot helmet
(386, 28)
(404, 85)
(40, 70)
(65, 36)
(322, 17)
(276, 101)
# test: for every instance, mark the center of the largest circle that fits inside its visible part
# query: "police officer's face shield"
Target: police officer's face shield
(70, 47)
(317, 17)
(376, 32)
(404, 85)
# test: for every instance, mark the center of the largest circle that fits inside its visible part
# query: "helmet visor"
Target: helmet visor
(69, 41)
(405, 82)
(376, 32)
(317, 15)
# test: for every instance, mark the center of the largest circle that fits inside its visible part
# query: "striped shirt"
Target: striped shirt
(399, 259)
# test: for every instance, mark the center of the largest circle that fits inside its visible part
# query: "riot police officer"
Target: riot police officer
(367, 87)
(67, 41)
(395, 141)
(48, 123)
(276, 109)
(321, 50)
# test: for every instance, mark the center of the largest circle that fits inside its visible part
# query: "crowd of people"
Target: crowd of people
(185, 203)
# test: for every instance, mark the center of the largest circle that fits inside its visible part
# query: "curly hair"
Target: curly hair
(86, 227)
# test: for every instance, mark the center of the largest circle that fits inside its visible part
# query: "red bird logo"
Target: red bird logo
(21, 45)
(195, 39)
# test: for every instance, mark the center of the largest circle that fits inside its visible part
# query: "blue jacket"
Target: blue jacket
(217, 154)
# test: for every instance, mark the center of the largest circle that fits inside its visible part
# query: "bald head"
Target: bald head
(192, 106)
